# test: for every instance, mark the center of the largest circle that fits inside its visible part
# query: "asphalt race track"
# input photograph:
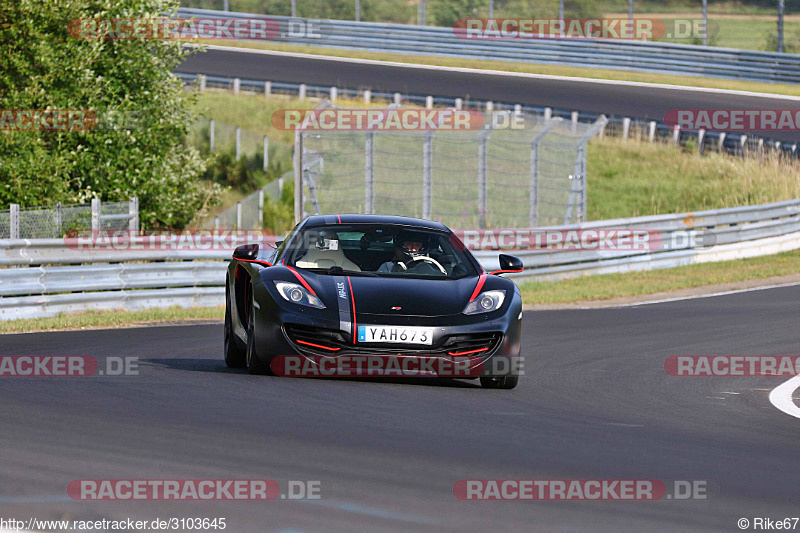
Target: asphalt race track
(597, 97)
(595, 403)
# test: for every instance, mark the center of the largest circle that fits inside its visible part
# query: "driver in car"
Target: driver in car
(408, 247)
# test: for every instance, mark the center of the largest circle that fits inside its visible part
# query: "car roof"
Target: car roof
(324, 220)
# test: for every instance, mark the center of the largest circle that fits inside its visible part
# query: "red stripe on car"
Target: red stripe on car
(478, 287)
(318, 345)
(302, 280)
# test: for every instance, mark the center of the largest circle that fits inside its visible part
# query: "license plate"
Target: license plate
(395, 334)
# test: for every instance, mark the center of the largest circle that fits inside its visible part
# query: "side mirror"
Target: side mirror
(509, 263)
(248, 252)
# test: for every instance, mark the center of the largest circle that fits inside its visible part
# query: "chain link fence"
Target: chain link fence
(531, 175)
(54, 222)
(248, 213)
(212, 136)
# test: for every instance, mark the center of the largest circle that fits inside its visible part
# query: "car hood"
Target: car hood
(398, 296)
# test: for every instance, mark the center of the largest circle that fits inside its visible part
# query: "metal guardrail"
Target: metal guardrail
(659, 57)
(137, 280)
(732, 143)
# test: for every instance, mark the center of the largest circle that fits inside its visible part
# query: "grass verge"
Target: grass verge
(632, 284)
(114, 319)
(531, 68)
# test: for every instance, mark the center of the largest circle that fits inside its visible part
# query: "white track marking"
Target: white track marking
(595, 81)
(781, 397)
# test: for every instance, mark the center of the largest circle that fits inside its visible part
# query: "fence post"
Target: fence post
(201, 79)
(369, 173)
(489, 106)
(14, 222)
(333, 94)
(517, 109)
(301, 92)
(216, 223)
(427, 174)
(260, 208)
(238, 143)
(482, 176)
(237, 85)
(58, 219)
(211, 135)
(266, 153)
(367, 96)
(533, 195)
(548, 113)
(459, 103)
(95, 215)
(575, 116)
(721, 144)
(133, 211)
(429, 102)
(701, 136)
(298, 176)
(582, 181)
(626, 128)
(267, 88)
(398, 98)
(651, 135)
(238, 215)
(676, 135)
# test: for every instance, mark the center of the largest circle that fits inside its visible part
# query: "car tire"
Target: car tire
(505, 382)
(235, 357)
(254, 364)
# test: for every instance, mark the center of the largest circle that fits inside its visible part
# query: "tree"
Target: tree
(138, 146)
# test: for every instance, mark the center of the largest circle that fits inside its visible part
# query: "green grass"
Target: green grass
(633, 178)
(114, 319)
(608, 286)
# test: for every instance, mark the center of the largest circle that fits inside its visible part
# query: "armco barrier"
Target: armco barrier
(48, 277)
(660, 57)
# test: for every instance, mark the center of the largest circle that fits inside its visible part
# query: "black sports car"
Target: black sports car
(371, 288)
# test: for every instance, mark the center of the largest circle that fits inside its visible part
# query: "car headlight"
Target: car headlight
(297, 294)
(485, 302)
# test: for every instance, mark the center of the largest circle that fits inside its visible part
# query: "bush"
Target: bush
(42, 67)
(279, 215)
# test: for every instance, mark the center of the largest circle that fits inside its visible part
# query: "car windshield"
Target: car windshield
(380, 250)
